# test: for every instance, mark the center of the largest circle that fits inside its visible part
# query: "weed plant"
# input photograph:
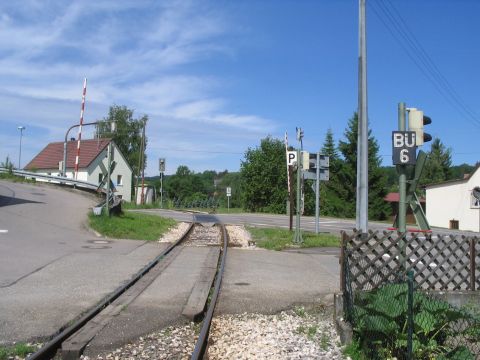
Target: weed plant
(380, 326)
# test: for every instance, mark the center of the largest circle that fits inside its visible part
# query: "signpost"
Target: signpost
(229, 194)
(317, 170)
(161, 167)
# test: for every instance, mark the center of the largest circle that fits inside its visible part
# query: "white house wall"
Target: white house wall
(452, 201)
(99, 165)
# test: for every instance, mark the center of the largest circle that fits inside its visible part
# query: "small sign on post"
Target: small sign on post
(161, 165)
(229, 193)
(291, 158)
(404, 148)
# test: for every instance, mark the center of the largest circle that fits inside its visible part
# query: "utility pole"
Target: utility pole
(140, 164)
(317, 195)
(161, 167)
(362, 142)
(109, 161)
(143, 164)
(298, 231)
(402, 178)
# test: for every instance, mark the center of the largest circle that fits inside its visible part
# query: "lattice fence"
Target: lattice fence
(439, 262)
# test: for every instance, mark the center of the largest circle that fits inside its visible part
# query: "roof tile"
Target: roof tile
(50, 156)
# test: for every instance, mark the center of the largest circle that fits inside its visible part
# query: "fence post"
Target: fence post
(472, 263)
(341, 260)
(410, 315)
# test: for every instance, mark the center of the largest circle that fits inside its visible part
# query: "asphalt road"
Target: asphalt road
(51, 267)
(328, 225)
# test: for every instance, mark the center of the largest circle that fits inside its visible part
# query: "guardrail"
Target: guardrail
(56, 179)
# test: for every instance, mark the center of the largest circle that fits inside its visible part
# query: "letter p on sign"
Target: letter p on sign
(291, 158)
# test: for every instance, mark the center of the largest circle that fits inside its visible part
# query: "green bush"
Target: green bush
(380, 325)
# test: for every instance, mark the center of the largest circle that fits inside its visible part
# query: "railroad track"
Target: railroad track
(70, 341)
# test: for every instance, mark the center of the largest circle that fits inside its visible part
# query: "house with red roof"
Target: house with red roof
(92, 165)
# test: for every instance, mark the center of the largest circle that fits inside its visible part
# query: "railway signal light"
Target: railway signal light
(416, 121)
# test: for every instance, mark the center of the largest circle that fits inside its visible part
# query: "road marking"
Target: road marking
(3, 231)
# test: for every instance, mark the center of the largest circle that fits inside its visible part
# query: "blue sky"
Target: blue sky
(215, 77)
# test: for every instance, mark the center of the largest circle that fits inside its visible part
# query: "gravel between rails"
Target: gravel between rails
(291, 334)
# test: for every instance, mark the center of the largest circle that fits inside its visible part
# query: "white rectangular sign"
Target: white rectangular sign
(291, 158)
(229, 191)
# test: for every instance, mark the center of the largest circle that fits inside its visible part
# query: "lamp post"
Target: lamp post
(21, 128)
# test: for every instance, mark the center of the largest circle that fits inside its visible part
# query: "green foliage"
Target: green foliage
(437, 167)
(127, 135)
(381, 324)
(131, 225)
(19, 349)
(279, 239)
(264, 177)
(354, 350)
(332, 192)
(459, 171)
(7, 164)
(346, 187)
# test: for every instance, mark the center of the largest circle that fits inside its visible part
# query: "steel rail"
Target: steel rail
(50, 348)
(202, 340)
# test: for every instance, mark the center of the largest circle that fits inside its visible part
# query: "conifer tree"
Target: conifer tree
(377, 207)
(438, 165)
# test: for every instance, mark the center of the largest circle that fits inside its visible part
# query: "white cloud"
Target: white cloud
(142, 54)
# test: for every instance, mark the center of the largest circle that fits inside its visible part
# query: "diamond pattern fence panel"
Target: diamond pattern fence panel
(439, 262)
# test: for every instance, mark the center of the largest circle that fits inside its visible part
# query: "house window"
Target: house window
(100, 178)
(474, 203)
(119, 180)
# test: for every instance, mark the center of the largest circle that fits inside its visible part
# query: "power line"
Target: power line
(432, 64)
(414, 50)
(200, 151)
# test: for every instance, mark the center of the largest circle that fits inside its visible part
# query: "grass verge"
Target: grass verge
(20, 350)
(130, 225)
(15, 178)
(279, 239)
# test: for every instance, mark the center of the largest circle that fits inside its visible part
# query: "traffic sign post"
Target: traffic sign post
(298, 232)
(229, 194)
(161, 168)
(317, 170)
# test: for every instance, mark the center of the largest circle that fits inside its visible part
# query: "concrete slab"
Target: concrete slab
(73, 347)
(199, 295)
(37, 305)
(269, 281)
(160, 305)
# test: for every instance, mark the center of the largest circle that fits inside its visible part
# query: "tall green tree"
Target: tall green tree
(127, 135)
(332, 192)
(438, 164)
(264, 177)
(377, 207)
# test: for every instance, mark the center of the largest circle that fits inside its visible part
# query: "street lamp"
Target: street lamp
(21, 128)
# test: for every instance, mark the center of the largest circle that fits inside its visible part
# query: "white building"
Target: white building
(92, 163)
(451, 203)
